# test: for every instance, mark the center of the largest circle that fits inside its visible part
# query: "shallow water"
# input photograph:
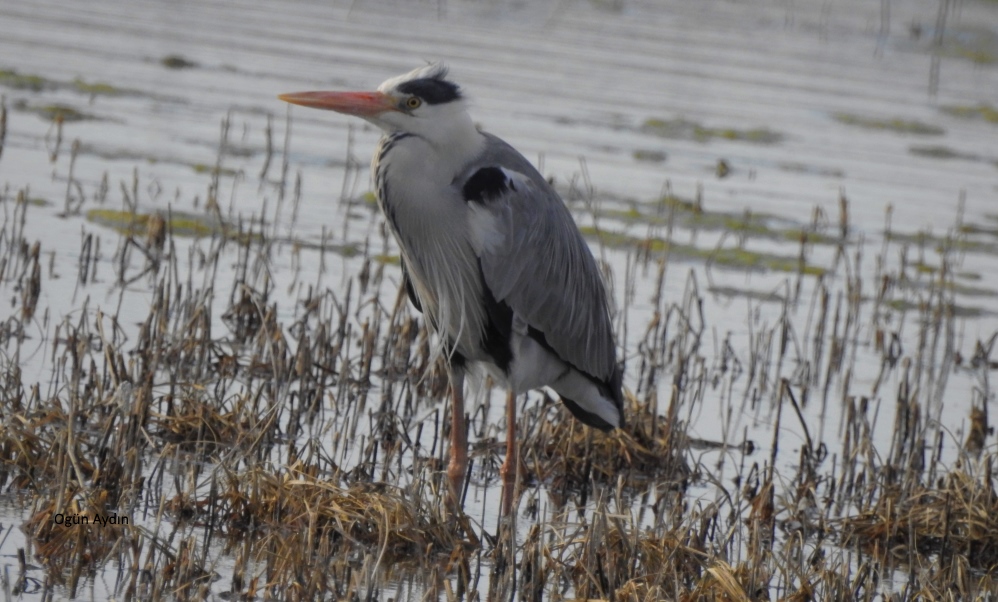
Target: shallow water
(846, 91)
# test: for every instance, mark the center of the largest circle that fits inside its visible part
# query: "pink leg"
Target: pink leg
(457, 468)
(508, 470)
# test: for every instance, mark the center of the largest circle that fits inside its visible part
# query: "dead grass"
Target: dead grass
(560, 451)
(958, 516)
(293, 429)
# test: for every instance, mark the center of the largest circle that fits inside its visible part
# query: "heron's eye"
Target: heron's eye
(413, 102)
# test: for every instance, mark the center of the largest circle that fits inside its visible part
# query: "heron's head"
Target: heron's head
(422, 102)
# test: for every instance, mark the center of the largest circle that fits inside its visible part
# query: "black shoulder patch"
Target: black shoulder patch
(431, 90)
(486, 183)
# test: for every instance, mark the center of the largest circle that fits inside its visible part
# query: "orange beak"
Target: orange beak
(361, 104)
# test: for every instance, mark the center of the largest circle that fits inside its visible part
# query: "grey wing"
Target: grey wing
(534, 259)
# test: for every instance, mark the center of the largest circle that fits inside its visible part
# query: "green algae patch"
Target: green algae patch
(204, 168)
(982, 111)
(945, 243)
(175, 61)
(673, 202)
(37, 83)
(118, 154)
(180, 223)
(960, 311)
(978, 44)
(805, 235)
(928, 278)
(741, 224)
(752, 260)
(920, 238)
(618, 240)
(981, 56)
(342, 249)
(736, 258)
(54, 112)
(898, 125)
(988, 228)
(980, 229)
(60, 111)
(967, 290)
(97, 88)
(684, 129)
(628, 215)
(10, 78)
(686, 214)
(941, 152)
(746, 293)
(387, 259)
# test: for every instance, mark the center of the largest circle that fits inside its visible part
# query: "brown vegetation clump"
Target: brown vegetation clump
(298, 508)
(68, 539)
(558, 449)
(957, 517)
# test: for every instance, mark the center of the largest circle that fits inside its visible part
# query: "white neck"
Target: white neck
(455, 140)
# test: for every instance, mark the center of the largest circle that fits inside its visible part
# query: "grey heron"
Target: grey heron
(490, 255)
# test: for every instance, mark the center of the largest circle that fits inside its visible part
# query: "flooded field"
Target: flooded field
(215, 388)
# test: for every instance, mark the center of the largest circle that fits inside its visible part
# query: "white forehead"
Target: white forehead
(433, 70)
